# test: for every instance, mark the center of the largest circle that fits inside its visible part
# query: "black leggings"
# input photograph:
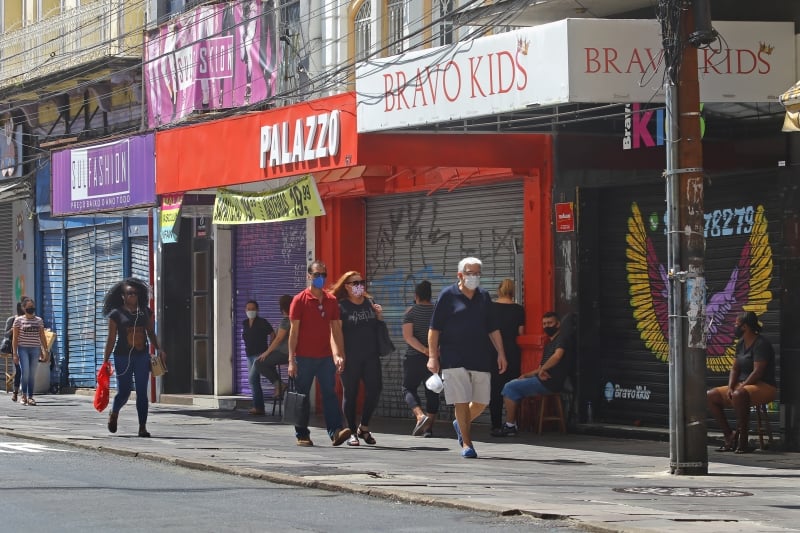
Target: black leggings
(415, 371)
(356, 370)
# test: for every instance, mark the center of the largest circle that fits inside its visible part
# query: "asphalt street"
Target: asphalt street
(600, 483)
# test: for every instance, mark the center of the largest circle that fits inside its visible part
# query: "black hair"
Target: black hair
(750, 318)
(20, 310)
(423, 290)
(284, 302)
(252, 302)
(114, 298)
(551, 314)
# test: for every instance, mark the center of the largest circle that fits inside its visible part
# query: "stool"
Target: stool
(762, 417)
(553, 400)
(548, 403)
(8, 358)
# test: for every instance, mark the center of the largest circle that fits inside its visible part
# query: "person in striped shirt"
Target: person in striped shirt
(29, 346)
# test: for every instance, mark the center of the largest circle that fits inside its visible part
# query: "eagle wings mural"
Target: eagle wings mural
(747, 289)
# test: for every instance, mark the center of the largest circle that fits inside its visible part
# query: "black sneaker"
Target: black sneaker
(510, 431)
(497, 432)
(428, 434)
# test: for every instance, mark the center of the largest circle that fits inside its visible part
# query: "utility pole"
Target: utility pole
(685, 242)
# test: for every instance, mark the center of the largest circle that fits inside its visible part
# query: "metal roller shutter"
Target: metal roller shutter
(52, 304)
(108, 270)
(81, 307)
(269, 261)
(413, 237)
(140, 258)
(632, 377)
(94, 263)
(7, 303)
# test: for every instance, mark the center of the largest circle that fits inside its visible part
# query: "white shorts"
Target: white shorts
(466, 386)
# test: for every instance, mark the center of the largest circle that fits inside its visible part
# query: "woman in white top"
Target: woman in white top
(30, 346)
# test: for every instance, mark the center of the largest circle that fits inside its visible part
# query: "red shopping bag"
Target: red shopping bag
(101, 393)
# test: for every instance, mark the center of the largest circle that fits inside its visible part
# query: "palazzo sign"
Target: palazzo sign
(572, 60)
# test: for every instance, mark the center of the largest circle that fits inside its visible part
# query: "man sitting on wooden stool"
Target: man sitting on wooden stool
(557, 360)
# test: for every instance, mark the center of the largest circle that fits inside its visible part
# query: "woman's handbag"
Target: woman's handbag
(157, 366)
(293, 405)
(385, 344)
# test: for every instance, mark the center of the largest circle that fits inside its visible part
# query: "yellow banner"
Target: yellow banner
(299, 199)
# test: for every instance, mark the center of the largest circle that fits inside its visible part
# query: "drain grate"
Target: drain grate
(684, 491)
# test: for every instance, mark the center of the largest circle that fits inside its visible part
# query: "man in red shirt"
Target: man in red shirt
(314, 319)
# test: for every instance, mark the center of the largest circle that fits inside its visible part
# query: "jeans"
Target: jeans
(254, 377)
(28, 361)
(267, 369)
(518, 389)
(136, 366)
(355, 370)
(325, 371)
(415, 371)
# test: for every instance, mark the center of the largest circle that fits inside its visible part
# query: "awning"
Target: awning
(15, 189)
(791, 101)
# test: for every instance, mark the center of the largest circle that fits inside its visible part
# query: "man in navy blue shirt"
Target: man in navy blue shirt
(458, 345)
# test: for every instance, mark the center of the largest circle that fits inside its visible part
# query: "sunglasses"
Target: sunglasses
(361, 282)
(319, 274)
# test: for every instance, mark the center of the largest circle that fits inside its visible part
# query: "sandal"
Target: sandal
(31, 401)
(353, 440)
(729, 443)
(14, 396)
(366, 436)
(23, 400)
(743, 443)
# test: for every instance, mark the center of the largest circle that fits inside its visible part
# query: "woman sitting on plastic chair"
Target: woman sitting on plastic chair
(751, 382)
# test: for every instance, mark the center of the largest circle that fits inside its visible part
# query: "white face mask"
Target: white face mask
(251, 314)
(472, 282)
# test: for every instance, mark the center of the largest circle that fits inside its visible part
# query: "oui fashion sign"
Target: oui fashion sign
(572, 60)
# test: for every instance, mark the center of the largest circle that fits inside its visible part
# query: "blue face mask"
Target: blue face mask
(318, 283)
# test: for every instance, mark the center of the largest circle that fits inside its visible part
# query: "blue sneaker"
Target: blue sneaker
(469, 453)
(458, 433)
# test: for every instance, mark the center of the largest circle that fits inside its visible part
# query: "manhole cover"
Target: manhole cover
(685, 491)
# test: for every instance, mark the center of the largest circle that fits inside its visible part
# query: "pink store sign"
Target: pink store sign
(569, 61)
(214, 57)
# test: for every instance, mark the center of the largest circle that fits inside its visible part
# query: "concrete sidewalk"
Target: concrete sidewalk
(601, 483)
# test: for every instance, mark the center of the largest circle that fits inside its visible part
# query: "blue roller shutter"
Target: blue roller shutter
(52, 296)
(269, 260)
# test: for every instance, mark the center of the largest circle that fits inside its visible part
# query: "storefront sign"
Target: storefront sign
(104, 177)
(170, 217)
(216, 56)
(565, 220)
(309, 137)
(10, 147)
(314, 137)
(299, 199)
(572, 60)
